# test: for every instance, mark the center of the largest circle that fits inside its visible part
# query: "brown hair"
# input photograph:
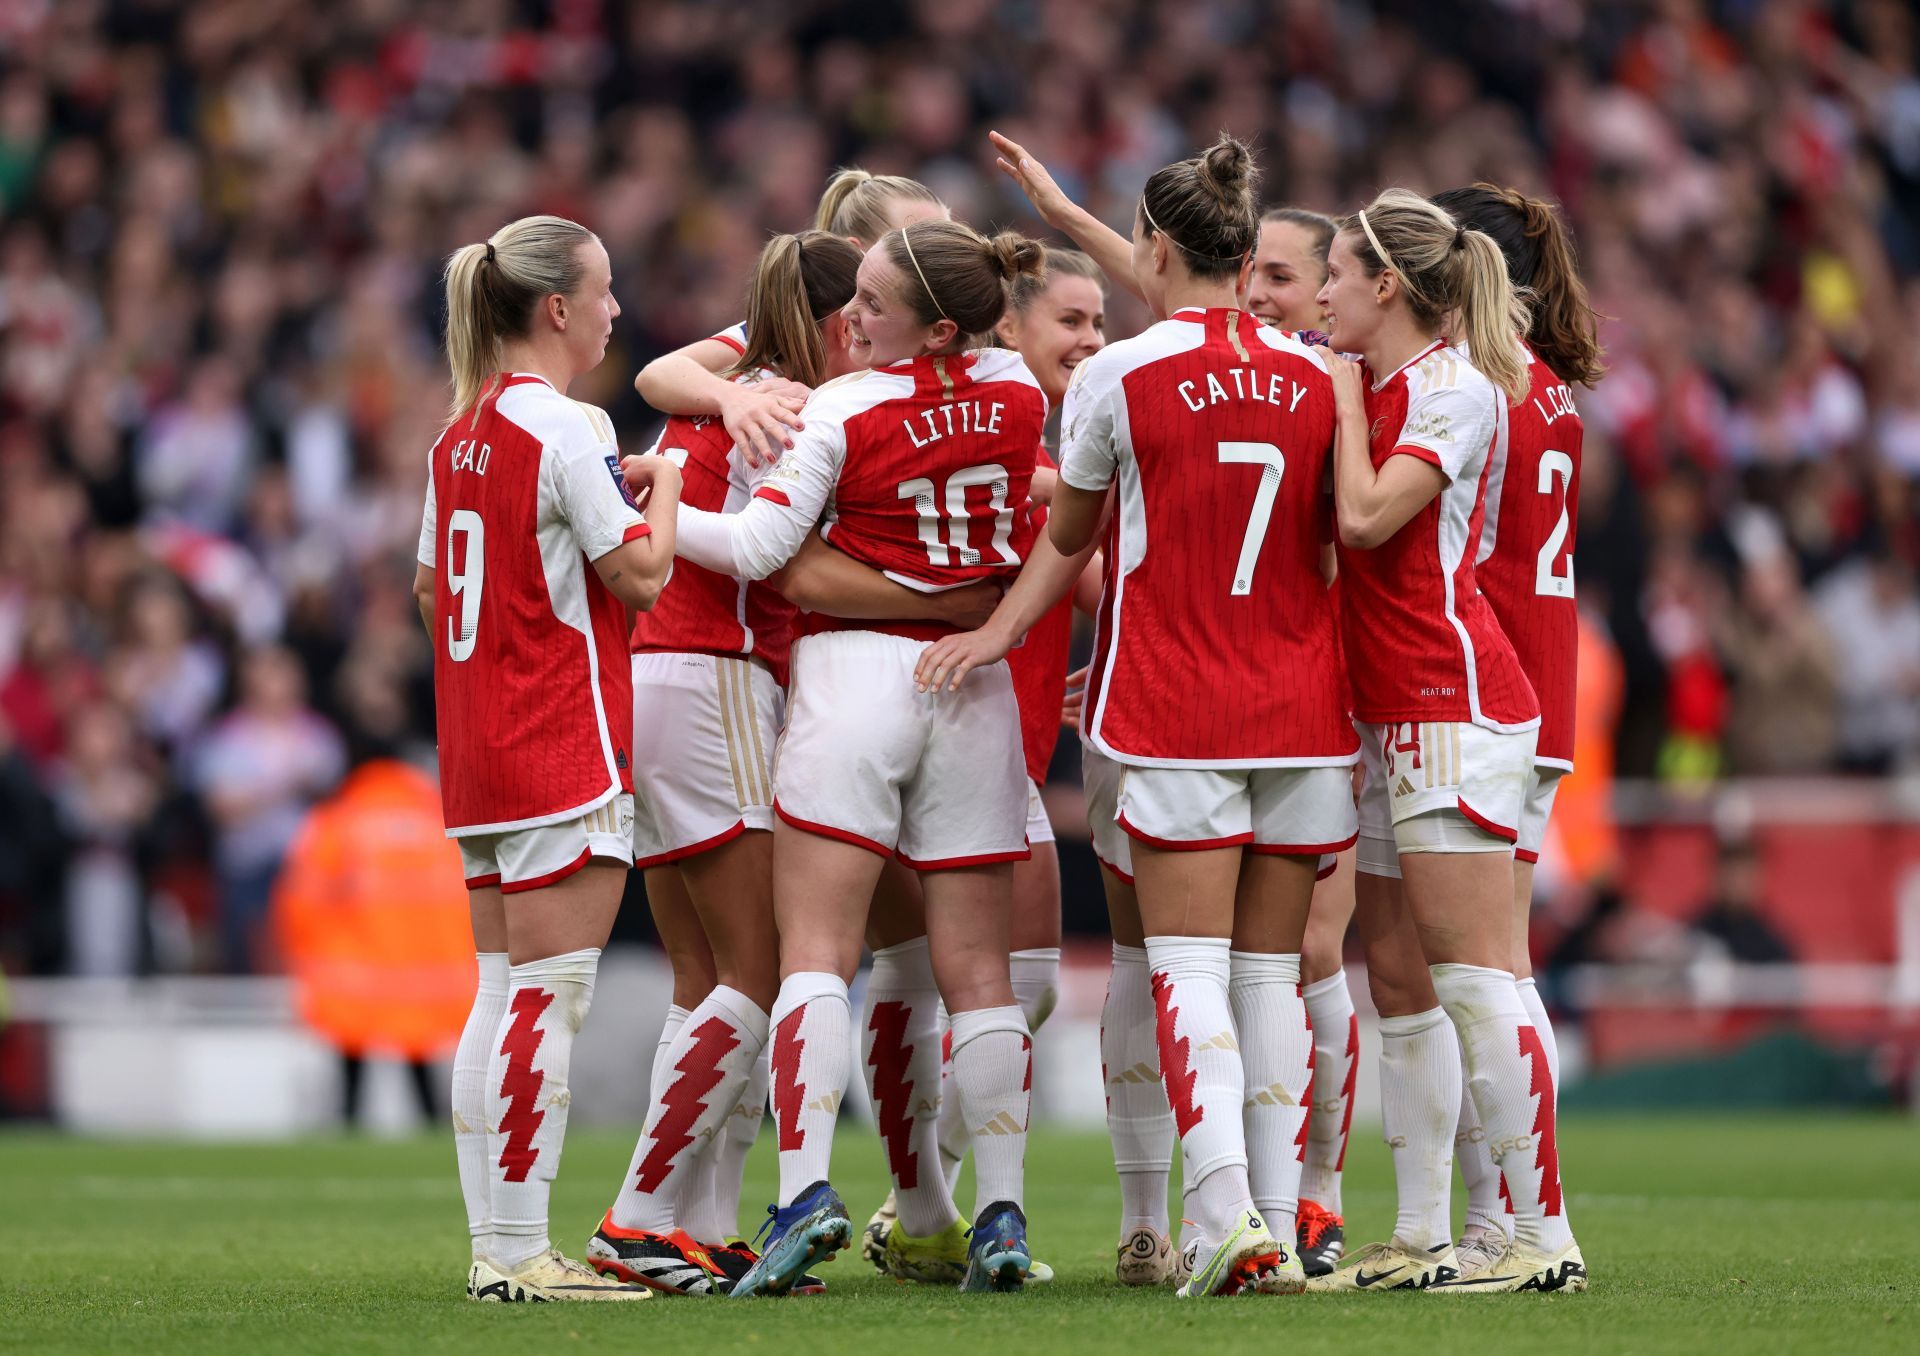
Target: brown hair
(855, 203)
(950, 271)
(1540, 258)
(800, 281)
(1205, 207)
(1320, 229)
(493, 288)
(1446, 269)
(1030, 287)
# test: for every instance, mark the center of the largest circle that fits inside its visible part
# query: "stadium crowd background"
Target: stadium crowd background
(219, 374)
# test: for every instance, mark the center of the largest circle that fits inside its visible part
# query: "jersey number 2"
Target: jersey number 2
(1548, 582)
(927, 497)
(466, 576)
(1273, 465)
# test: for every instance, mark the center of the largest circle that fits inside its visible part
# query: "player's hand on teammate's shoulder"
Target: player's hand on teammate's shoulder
(761, 417)
(1348, 383)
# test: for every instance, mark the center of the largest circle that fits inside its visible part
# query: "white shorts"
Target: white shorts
(1543, 784)
(937, 781)
(1449, 771)
(1100, 779)
(1039, 827)
(1291, 811)
(526, 859)
(704, 731)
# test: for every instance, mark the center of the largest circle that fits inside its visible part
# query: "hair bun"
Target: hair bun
(1227, 171)
(1015, 256)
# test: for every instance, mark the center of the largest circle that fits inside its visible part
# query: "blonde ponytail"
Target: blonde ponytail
(1491, 315)
(856, 203)
(493, 288)
(800, 281)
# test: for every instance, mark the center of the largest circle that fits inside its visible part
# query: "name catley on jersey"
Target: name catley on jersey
(1525, 566)
(1216, 637)
(1421, 641)
(919, 469)
(532, 691)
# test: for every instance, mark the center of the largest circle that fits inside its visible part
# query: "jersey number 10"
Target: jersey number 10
(930, 497)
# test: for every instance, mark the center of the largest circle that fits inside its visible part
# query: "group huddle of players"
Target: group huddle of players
(805, 664)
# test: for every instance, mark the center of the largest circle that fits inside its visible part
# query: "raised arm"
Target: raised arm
(1106, 246)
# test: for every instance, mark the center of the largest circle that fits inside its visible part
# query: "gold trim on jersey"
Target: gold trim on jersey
(940, 371)
(1233, 336)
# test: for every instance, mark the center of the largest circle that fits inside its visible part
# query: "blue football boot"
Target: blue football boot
(803, 1235)
(997, 1254)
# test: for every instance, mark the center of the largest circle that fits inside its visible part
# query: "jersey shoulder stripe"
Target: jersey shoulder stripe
(1120, 359)
(1285, 341)
(1000, 364)
(552, 419)
(843, 398)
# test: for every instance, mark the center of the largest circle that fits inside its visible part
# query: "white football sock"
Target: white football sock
(1036, 988)
(1537, 1014)
(1276, 1051)
(1200, 1065)
(527, 1111)
(954, 1137)
(1486, 1191)
(812, 1055)
(708, 1065)
(470, 1095)
(900, 1045)
(1512, 1087)
(1139, 1121)
(669, 1028)
(735, 1141)
(993, 1069)
(1336, 1066)
(1420, 1105)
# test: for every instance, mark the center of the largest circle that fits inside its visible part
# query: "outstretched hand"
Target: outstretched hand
(1048, 200)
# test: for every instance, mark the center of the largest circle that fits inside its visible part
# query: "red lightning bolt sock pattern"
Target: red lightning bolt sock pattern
(527, 1103)
(1200, 1063)
(1276, 1050)
(1139, 1121)
(1512, 1087)
(993, 1070)
(707, 1067)
(1336, 1064)
(901, 1053)
(812, 1061)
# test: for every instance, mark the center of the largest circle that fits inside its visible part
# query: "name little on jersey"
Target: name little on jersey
(1270, 388)
(944, 421)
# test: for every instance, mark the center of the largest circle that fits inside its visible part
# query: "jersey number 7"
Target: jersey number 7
(1273, 464)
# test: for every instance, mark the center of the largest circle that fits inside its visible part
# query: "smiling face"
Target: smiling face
(1287, 273)
(1353, 302)
(1060, 329)
(590, 310)
(881, 327)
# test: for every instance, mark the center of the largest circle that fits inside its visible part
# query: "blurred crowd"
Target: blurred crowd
(224, 223)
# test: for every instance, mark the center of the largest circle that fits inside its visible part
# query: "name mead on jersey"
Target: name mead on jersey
(470, 454)
(1269, 388)
(942, 421)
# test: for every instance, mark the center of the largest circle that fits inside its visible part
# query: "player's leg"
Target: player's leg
(1336, 1067)
(1139, 1121)
(470, 1064)
(561, 887)
(1543, 784)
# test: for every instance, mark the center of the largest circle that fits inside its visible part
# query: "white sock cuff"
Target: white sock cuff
(970, 1026)
(1335, 983)
(1191, 957)
(1474, 993)
(1035, 955)
(1413, 1023)
(797, 990)
(1128, 955)
(1264, 967)
(494, 972)
(576, 965)
(909, 965)
(1526, 985)
(747, 1015)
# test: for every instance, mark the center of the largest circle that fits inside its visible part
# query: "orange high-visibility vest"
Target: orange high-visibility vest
(372, 915)
(1583, 808)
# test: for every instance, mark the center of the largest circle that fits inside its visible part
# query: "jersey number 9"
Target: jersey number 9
(466, 575)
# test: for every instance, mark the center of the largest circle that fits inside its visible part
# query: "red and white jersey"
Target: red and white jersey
(919, 470)
(1039, 665)
(533, 696)
(1421, 642)
(1216, 639)
(703, 610)
(1525, 565)
(733, 336)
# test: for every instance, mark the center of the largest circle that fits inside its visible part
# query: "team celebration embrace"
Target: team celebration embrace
(804, 662)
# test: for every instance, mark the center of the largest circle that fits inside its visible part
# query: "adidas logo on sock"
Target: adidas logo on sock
(1139, 1073)
(830, 1103)
(1220, 1040)
(1274, 1094)
(1002, 1124)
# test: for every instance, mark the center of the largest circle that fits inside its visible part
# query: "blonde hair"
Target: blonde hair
(950, 271)
(493, 287)
(855, 203)
(800, 281)
(1447, 269)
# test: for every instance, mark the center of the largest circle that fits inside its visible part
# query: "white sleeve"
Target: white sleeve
(785, 507)
(1450, 425)
(1089, 458)
(593, 497)
(428, 552)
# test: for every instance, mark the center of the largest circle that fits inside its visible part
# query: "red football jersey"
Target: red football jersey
(1217, 637)
(1039, 665)
(703, 610)
(1421, 642)
(919, 470)
(1525, 565)
(533, 696)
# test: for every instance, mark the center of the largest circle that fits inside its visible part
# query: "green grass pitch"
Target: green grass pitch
(1723, 1235)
